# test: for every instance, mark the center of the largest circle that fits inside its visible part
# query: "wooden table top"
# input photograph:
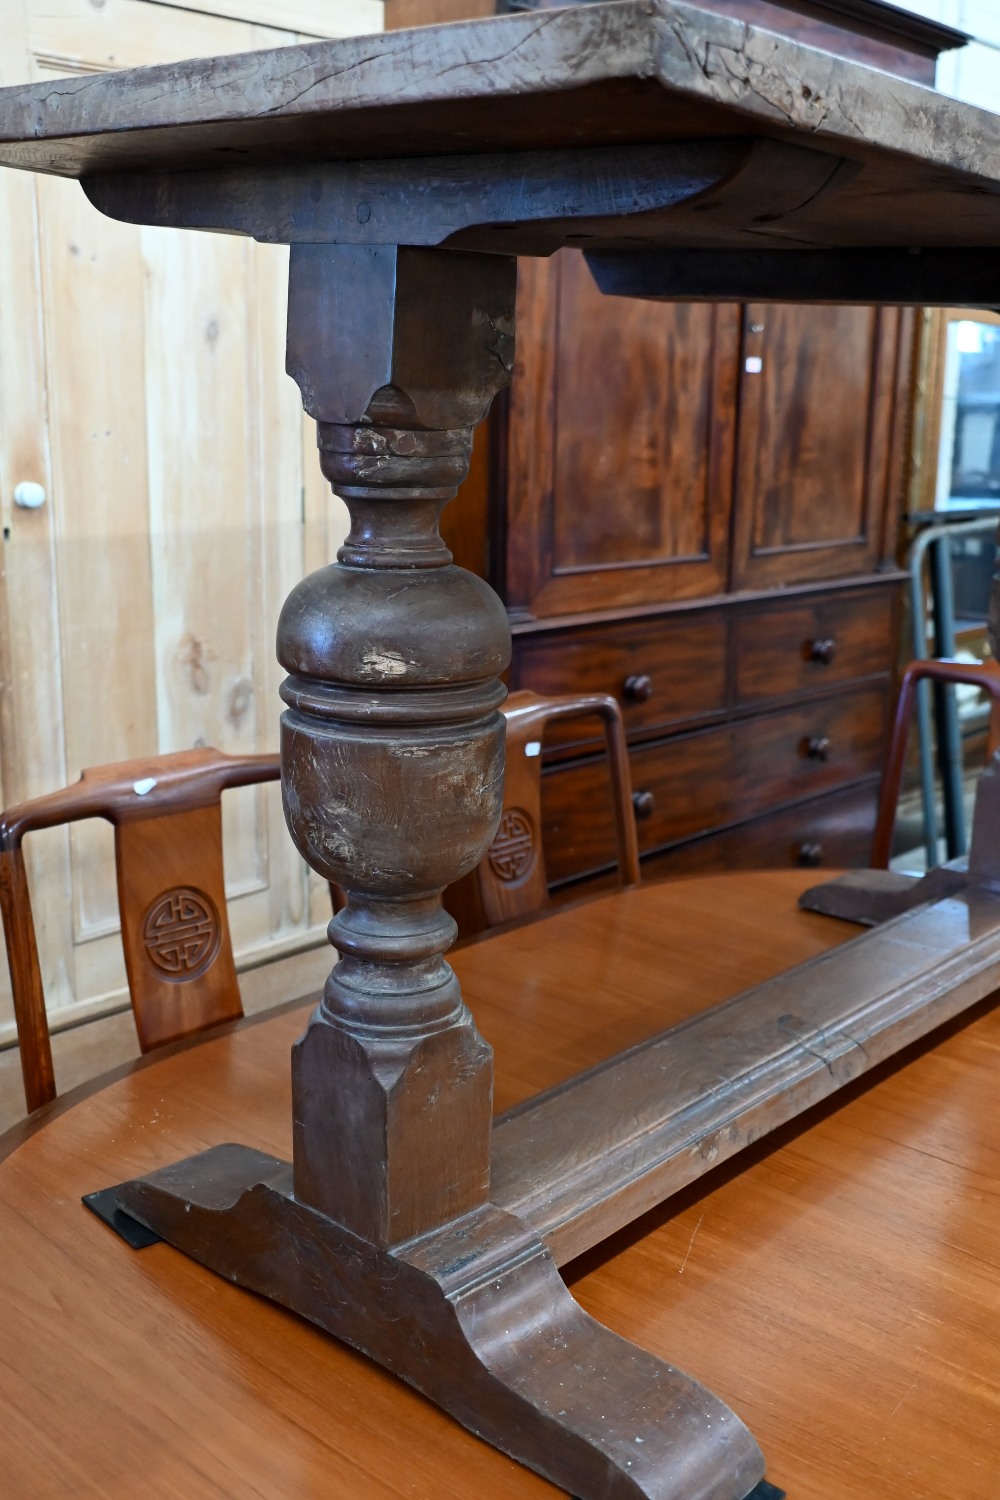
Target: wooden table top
(839, 1286)
(875, 160)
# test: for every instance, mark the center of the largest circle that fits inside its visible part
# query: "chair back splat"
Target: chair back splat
(167, 818)
(510, 882)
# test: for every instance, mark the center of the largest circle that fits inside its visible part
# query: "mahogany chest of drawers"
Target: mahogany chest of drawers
(756, 732)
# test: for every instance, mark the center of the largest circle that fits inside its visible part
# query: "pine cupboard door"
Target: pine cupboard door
(820, 391)
(620, 446)
(142, 386)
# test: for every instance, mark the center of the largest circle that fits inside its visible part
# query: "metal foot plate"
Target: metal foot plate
(104, 1204)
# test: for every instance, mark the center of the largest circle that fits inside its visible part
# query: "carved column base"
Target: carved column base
(477, 1317)
(382, 1124)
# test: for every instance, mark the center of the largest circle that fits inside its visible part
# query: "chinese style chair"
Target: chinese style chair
(510, 882)
(879, 893)
(984, 675)
(167, 818)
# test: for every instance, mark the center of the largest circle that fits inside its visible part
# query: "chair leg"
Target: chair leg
(26, 980)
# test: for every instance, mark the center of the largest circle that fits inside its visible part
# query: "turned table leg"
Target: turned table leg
(392, 742)
(381, 1230)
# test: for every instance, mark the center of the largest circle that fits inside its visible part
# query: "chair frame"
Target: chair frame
(182, 794)
(525, 893)
(985, 675)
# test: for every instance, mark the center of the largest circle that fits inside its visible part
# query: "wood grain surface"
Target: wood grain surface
(839, 1289)
(832, 417)
(643, 72)
(881, 35)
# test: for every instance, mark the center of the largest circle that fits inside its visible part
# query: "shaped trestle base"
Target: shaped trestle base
(476, 1316)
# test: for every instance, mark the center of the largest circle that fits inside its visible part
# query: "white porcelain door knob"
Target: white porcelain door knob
(29, 495)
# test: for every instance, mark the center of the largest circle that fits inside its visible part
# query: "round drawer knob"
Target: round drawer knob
(643, 804)
(818, 747)
(822, 651)
(638, 688)
(810, 854)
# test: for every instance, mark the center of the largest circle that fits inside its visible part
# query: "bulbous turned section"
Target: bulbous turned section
(392, 778)
(418, 629)
(388, 810)
(393, 791)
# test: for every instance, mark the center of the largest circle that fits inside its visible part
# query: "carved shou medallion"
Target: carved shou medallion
(512, 852)
(181, 933)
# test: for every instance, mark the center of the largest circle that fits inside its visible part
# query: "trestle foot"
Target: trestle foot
(477, 1317)
(871, 897)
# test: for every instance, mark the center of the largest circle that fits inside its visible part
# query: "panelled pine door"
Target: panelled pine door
(142, 387)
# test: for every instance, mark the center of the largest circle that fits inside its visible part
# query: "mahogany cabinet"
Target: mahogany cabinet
(618, 482)
(688, 450)
(694, 507)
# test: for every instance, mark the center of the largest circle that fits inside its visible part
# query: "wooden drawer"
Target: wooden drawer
(814, 645)
(662, 672)
(713, 779)
(809, 749)
(832, 832)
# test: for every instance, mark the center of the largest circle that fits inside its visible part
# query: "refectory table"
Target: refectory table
(690, 157)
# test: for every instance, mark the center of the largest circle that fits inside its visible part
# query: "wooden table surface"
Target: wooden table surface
(875, 160)
(839, 1285)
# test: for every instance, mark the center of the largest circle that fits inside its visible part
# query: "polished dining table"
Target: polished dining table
(837, 1283)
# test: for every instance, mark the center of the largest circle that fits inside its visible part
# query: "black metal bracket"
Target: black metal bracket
(105, 1205)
